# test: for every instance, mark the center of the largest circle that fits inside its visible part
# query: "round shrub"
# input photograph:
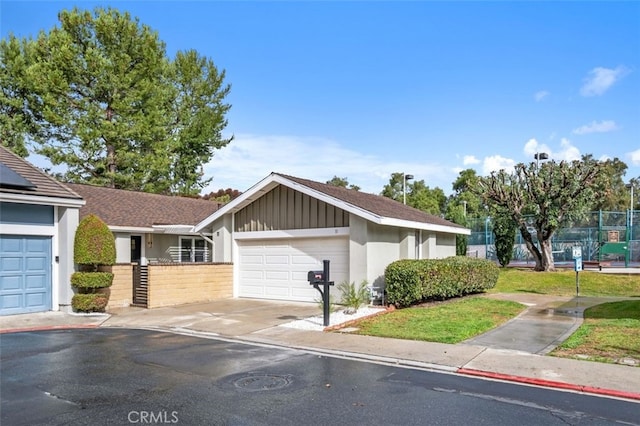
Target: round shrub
(402, 283)
(94, 243)
(91, 280)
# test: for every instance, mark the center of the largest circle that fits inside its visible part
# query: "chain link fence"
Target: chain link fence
(603, 235)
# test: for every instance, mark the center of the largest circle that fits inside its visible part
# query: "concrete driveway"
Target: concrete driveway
(229, 317)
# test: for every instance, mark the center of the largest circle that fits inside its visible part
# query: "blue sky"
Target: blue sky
(363, 89)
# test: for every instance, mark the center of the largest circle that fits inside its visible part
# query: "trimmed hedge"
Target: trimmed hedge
(94, 243)
(89, 302)
(90, 280)
(413, 281)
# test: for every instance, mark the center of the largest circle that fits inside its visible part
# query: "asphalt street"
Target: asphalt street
(119, 376)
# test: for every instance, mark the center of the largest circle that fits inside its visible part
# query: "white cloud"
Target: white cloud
(567, 152)
(470, 159)
(532, 147)
(596, 127)
(495, 163)
(250, 158)
(635, 157)
(600, 79)
(539, 96)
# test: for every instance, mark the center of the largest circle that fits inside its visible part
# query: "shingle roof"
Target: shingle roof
(376, 204)
(117, 207)
(45, 185)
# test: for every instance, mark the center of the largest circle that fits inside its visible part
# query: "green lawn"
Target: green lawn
(610, 333)
(447, 322)
(563, 283)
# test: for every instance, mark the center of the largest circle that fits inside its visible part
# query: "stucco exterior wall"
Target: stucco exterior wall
(357, 249)
(221, 236)
(189, 283)
(445, 245)
(68, 220)
(383, 247)
(123, 247)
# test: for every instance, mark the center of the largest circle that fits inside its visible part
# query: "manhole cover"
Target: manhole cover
(262, 382)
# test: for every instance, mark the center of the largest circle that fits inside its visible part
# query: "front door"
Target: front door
(136, 248)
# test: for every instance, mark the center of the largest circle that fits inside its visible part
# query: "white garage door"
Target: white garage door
(277, 269)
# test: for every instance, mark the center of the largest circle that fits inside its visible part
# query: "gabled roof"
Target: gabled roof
(145, 212)
(42, 188)
(375, 208)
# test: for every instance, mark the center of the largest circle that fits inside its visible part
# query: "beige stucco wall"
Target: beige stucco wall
(121, 290)
(222, 239)
(189, 283)
(383, 247)
(68, 219)
(445, 245)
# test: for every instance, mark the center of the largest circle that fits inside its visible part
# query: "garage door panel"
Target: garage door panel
(277, 275)
(11, 264)
(285, 267)
(25, 274)
(281, 259)
(252, 259)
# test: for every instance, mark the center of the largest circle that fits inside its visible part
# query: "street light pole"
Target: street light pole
(405, 178)
(540, 156)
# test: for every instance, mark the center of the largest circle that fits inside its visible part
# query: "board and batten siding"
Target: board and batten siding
(284, 208)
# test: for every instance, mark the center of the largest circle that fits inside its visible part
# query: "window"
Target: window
(193, 250)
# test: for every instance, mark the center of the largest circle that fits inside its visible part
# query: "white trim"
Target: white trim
(292, 233)
(235, 259)
(41, 199)
(425, 226)
(55, 266)
(131, 229)
(33, 230)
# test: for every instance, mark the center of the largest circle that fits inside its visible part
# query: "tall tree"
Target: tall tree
(100, 96)
(504, 230)
(555, 194)
(463, 193)
(611, 191)
(15, 120)
(456, 214)
(342, 183)
(418, 194)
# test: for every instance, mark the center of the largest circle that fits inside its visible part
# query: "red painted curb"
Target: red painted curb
(47, 327)
(550, 383)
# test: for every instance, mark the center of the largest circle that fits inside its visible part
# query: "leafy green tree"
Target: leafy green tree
(610, 188)
(455, 213)
(419, 195)
(99, 95)
(504, 230)
(463, 193)
(342, 183)
(15, 121)
(555, 193)
(223, 195)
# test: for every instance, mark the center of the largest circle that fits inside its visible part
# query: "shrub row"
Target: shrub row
(412, 281)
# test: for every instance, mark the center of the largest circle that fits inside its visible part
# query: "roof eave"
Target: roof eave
(42, 200)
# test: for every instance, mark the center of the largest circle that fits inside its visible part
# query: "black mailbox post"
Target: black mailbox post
(318, 278)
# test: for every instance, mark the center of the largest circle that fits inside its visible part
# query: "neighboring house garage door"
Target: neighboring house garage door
(277, 269)
(25, 274)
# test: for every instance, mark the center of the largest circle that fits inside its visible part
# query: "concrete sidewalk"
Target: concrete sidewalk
(512, 352)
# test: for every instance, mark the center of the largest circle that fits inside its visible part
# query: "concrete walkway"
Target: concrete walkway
(514, 351)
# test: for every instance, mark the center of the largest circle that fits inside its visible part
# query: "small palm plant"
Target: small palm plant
(353, 297)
